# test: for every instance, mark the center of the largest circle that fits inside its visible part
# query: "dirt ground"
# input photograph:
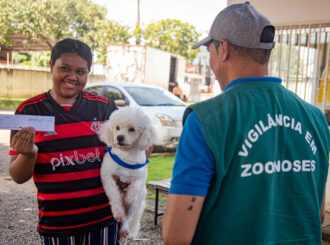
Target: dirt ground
(18, 209)
(19, 214)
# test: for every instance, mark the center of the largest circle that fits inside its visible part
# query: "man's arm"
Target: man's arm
(21, 167)
(180, 219)
(192, 173)
(323, 208)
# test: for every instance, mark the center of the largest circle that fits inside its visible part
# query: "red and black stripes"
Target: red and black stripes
(70, 130)
(94, 97)
(71, 198)
(33, 100)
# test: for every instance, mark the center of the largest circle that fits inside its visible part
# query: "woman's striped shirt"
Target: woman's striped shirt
(71, 198)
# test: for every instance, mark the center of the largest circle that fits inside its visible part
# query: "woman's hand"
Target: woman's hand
(149, 151)
(23, 142)
(122, 186)
(21, 166)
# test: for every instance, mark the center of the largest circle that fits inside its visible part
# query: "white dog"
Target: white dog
(129, 133)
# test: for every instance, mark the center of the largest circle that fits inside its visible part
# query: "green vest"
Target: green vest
(271, 161)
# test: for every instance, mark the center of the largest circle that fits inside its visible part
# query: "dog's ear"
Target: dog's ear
(148, 137)
(105, 133)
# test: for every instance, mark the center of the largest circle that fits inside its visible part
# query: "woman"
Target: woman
(65, 164)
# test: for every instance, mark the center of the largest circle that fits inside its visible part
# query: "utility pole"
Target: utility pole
(204, 55)
(138, 40)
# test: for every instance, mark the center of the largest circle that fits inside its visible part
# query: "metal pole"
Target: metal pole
(298, 61)
(307, 66)
(138, 40)
(317, 72)
(325, 96)
(280, 53)
(156, 206)
(289, 58)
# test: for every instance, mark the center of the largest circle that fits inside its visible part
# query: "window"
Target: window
(114, 94)
(94, 90)
(153, 97)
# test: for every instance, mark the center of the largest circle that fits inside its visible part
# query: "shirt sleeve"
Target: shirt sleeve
(194, 165)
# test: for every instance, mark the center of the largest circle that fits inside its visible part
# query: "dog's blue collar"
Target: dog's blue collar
(122, 163)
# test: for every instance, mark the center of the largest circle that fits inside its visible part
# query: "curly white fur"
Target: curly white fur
(129, 132)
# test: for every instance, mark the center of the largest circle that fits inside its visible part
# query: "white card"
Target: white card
(17, 122)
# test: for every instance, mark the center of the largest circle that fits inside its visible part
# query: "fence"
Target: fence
(301, 59)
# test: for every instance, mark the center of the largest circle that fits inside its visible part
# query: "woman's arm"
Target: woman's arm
(21, 167)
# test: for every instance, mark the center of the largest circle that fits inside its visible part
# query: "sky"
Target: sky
(199, 13)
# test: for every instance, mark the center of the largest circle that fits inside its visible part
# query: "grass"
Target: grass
(10, 103)
(160, 167)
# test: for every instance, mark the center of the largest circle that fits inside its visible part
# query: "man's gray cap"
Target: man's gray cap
(241, 25)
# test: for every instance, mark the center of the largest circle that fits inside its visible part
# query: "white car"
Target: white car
(164, 109)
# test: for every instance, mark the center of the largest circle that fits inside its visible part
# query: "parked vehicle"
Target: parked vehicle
(164, 109)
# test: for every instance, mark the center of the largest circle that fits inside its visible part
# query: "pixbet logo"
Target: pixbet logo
(74, 159)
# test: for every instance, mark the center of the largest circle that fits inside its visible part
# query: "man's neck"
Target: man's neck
(244, 70)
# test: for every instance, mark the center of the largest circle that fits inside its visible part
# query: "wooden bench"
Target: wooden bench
(159, 185)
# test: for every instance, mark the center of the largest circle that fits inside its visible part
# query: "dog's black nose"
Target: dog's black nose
(120, 138)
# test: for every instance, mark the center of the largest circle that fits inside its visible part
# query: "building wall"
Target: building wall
(157, 67)
(180, 71)
(22, 83)
(126, 63)
(26, 83)
(292, 11)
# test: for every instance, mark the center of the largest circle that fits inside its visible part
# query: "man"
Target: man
(177, 90)
(251, 164)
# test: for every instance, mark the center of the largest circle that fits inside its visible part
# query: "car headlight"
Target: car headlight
(165, 120)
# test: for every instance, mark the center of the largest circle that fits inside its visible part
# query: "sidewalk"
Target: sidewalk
(7, 111)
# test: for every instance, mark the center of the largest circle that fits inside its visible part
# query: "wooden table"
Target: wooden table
(159, 185)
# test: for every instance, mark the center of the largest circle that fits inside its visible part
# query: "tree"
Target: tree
(173, 36)
(110, 31)
(54, 20)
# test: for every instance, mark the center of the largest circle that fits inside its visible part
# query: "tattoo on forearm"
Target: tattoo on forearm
(190, 208)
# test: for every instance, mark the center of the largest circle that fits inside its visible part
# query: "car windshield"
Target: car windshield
(145, 96)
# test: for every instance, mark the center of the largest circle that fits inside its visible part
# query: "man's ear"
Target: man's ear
(224, 49)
